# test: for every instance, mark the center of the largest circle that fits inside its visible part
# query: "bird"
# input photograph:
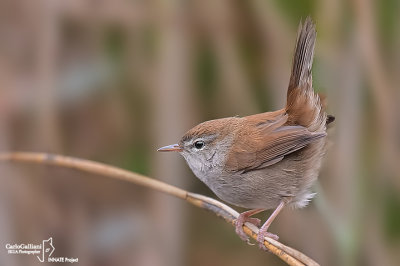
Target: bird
(268, 160)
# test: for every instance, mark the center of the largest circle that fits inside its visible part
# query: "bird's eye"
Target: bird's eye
(199, 144)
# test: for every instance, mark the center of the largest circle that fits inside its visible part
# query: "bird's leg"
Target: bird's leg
(264, 229)
(245, 217)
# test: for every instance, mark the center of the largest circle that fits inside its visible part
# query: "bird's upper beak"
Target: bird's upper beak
(173, 147)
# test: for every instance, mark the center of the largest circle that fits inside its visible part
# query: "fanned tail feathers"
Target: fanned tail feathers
(303, 104)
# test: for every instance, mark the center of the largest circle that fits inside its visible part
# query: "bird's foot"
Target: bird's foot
(243, 218)
(260, 238)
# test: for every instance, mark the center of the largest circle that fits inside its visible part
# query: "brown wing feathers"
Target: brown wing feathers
(268, 143)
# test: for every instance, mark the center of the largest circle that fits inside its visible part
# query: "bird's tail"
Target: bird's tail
(304, 106)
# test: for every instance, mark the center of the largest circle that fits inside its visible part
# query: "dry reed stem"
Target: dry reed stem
(285, 253)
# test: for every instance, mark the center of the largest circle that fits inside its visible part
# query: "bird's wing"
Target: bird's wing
(268, 143)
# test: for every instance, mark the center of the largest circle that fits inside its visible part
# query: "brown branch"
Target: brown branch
(285, 253)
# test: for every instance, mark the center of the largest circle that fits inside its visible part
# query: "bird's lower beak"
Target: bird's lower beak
(173, 147)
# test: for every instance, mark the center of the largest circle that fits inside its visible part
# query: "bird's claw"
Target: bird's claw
(239, 226)
(260, 239)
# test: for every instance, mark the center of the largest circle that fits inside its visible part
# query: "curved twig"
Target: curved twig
(285, 253)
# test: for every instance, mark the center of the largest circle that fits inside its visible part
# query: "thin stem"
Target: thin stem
(285, 253)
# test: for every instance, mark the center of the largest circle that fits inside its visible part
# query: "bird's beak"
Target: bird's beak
(173, 147)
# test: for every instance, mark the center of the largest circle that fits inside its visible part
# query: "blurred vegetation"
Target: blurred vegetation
(114, 80)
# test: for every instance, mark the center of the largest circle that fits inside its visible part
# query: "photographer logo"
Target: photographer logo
(42, 251)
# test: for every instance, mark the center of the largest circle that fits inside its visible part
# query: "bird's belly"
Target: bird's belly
(265, 188)
(253, 191)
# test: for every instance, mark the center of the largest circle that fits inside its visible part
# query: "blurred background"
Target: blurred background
(112, 81)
